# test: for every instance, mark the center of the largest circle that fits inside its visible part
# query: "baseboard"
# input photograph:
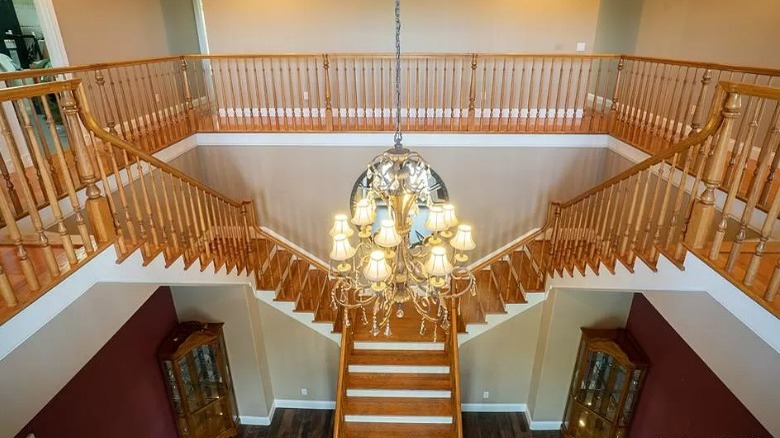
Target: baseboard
(249, 420)
(304, 404)
(541, 425)
(494, 407)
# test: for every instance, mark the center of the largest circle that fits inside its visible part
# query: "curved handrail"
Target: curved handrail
(709, 65)
(32, 73)
(92, 125)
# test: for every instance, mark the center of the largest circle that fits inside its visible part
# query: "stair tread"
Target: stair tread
(399, 406)
(398, 381)
(396, 430)
(396, 357)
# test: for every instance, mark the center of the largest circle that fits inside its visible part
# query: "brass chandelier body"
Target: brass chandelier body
(385, 271)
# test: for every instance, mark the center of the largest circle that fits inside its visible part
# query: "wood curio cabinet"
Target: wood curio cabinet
(608, 376)
(196, 371)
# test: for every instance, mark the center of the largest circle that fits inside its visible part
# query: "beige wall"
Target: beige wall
(179, 18)
(716, 30)
(230, 305)
(618, 26)
(428, 26)
(501, 360)
(97, 30)
(298, 358)
(504, 191)
(565, 312)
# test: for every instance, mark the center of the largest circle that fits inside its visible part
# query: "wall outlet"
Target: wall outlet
(305, 95)
(581, 47)
(486, 395)
(157, 98)
(304, 391)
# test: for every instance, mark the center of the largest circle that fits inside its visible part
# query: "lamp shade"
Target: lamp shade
(449, 215)
(387, 236)
(342, 249)
(377, 270)
(438, 265)
(364, 213)
(341, 226)
(435, 221)
(463, 240)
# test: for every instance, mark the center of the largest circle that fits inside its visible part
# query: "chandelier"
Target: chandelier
(385, 271)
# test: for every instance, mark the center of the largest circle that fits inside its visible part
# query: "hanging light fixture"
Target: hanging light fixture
(385, 271)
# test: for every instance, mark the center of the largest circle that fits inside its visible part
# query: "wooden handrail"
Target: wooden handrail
(25, 74)
(709, 65)
(341, 388)
(89, 122)
(310, 260)
(457, 419)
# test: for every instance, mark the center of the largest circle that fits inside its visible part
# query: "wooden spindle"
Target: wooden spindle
(472, 93)
(328, 101)
(10, 142)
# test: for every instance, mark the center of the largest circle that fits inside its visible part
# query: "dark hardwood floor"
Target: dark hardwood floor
(306, 423)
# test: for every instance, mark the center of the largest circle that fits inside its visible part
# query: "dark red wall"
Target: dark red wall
(682, 397)
(120, 392)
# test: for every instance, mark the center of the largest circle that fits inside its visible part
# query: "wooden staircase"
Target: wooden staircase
(402, 384)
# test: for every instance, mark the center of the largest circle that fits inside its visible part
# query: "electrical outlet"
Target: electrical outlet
(486, 395)
(305, 95)
(157, 98)
(580, 47)
(304, 391)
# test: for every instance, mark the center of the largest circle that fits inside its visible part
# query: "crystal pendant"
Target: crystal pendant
(387, 329)
(400, 312)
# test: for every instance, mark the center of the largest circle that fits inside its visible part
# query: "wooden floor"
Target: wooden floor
(304, 423)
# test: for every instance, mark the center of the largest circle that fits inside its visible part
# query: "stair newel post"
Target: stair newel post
(704, 212)
(472, 93)
(190, 108)
(328, 98)
(97, 207)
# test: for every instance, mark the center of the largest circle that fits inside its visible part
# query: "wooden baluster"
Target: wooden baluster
(605, 215)
(595, 96)
(176, 117)
(647, 100)
(6, 291)
(10, 142)
(671, 109)
(21, 253)
(180, 236)
(134, 122)
(566, 99)
(288, 80)
(328, 101)
(555, 104)
(225, 233)
(689, 164)
(650, 125)
(148, 104)
(703, 212)
(472, 93)
(159, 114)
(245, 98)
(618, 216)
(646, 232)
(454, 90)
(27, 194)
(640, 216)
(698, 114)
(682, 131)
(213, 235)
(100, 155)
(317, 95)
(192, 120)
(616, 95)
(191, 231)
(766, 233)
(624, 241)
(201, 230)
(147, 206)
(747, 213)
(767, 186)
(266, 101)
(164, 231)
(313, 96)
(220, 95)
(662, 212)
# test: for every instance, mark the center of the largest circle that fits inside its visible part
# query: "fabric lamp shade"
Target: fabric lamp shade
(341, 226)
(438, 265)
(377, 269)
(387, 237)
(364, 213)
(342, 249)
(436, 221)
(449, 215)
(463, 239)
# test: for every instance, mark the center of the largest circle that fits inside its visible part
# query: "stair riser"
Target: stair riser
(404, 393)
(396, 419)
(399, 369)
(411, 346)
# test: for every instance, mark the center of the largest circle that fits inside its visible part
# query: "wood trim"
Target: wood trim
(710, 65)
(457, 419)
(341, 389)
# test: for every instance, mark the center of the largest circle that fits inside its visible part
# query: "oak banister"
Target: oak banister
(89, 123)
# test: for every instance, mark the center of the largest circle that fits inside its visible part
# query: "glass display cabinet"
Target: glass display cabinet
(197, 374)
(608, 376)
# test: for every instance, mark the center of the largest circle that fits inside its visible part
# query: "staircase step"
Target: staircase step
(386, 430)
(399, 406)
(314, 287)
(395, 346)
(400, 393)
(399, 369)
(487, 292)
(507, 285)
(293, 283)
(388, 357)
(398, 381)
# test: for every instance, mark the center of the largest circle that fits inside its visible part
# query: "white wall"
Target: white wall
(618, 26)
(453, 26)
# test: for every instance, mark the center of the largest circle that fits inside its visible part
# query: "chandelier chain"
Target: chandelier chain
(398, 136)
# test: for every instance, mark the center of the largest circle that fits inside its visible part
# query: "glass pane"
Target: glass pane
(170, 381)
(585, 424)
(631, 398)
(211, 385)
(212, 420)
(193, 401)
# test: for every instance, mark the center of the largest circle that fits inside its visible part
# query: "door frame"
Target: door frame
(51, 32)
(200, 26)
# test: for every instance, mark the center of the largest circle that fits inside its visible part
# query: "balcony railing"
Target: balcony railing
(78, 172)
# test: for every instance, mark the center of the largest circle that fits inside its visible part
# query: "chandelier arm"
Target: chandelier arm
(398, 136)
(423, 313)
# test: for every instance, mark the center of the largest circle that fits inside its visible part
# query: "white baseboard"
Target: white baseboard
(249, 420)
(304, 404)
(540, 425)
(494, 407)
